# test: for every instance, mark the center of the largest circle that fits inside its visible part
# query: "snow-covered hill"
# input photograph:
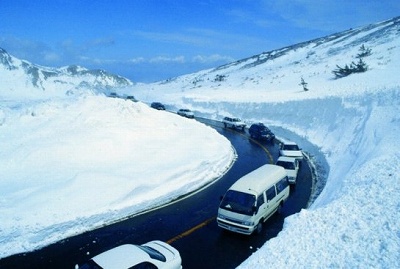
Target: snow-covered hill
(276, 75)
(72, 159)
(22, 78)
(353, 122)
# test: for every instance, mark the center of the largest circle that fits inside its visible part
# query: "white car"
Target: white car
(290, 149)
(234, 123)
(184, 112)
(291, 166)
(154, 254)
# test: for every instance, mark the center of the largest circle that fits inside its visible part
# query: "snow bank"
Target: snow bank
(68, 165)
(354, 221)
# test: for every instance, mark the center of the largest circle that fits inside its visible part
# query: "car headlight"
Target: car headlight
(248, 223)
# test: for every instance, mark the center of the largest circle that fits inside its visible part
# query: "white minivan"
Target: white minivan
(252, 199)
(291, 165)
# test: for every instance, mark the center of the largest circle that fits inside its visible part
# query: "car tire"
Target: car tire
(279, 210)
(259, 227)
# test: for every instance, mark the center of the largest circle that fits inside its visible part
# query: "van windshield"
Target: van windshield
(290, 147)
(238, 202)
(286, 165)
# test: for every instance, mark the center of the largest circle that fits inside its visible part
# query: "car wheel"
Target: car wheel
(279, 210)
(259, 227)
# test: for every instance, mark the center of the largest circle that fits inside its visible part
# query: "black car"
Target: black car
(131, 98)
(261, 132)
(158, 105)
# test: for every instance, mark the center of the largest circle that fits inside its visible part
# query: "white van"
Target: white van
(291, 165)
(252, 199)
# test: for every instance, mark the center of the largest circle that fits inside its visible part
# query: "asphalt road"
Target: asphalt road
(188, 225)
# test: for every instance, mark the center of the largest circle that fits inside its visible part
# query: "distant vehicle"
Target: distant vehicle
(291, 165)
(158, 106)
(154, 254)
(131, 98)
(234, 123)
(290, 149)
(186, 113)
(252, 199)
(113, 95)
(261, 132)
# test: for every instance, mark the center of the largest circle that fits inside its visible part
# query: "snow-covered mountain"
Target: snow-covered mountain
(276, 75)
(19, 75)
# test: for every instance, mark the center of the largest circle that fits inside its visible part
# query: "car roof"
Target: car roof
(123, 256)
(286, 159)
(258, 180)
(289, 143)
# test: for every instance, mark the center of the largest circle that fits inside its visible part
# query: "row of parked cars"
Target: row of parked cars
(256, 196)
(124, 96)
(290, 153)
(257, 130)
(184, 112)
(290, 158)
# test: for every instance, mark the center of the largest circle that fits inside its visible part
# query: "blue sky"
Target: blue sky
(149, 40)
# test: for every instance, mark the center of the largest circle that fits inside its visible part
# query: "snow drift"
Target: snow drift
(75, 163)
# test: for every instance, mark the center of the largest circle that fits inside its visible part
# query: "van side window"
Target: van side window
(260, 200)
(271, 193)
(282, 184)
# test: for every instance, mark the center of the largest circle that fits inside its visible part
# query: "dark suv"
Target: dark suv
(158, 105)
(260, 131)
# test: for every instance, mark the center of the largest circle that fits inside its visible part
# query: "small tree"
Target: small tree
(220, 78)
(363, 52)
(304, 84)
(358, 67)
(341, 72)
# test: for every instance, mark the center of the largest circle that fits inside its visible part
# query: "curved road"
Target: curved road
(188, 225)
